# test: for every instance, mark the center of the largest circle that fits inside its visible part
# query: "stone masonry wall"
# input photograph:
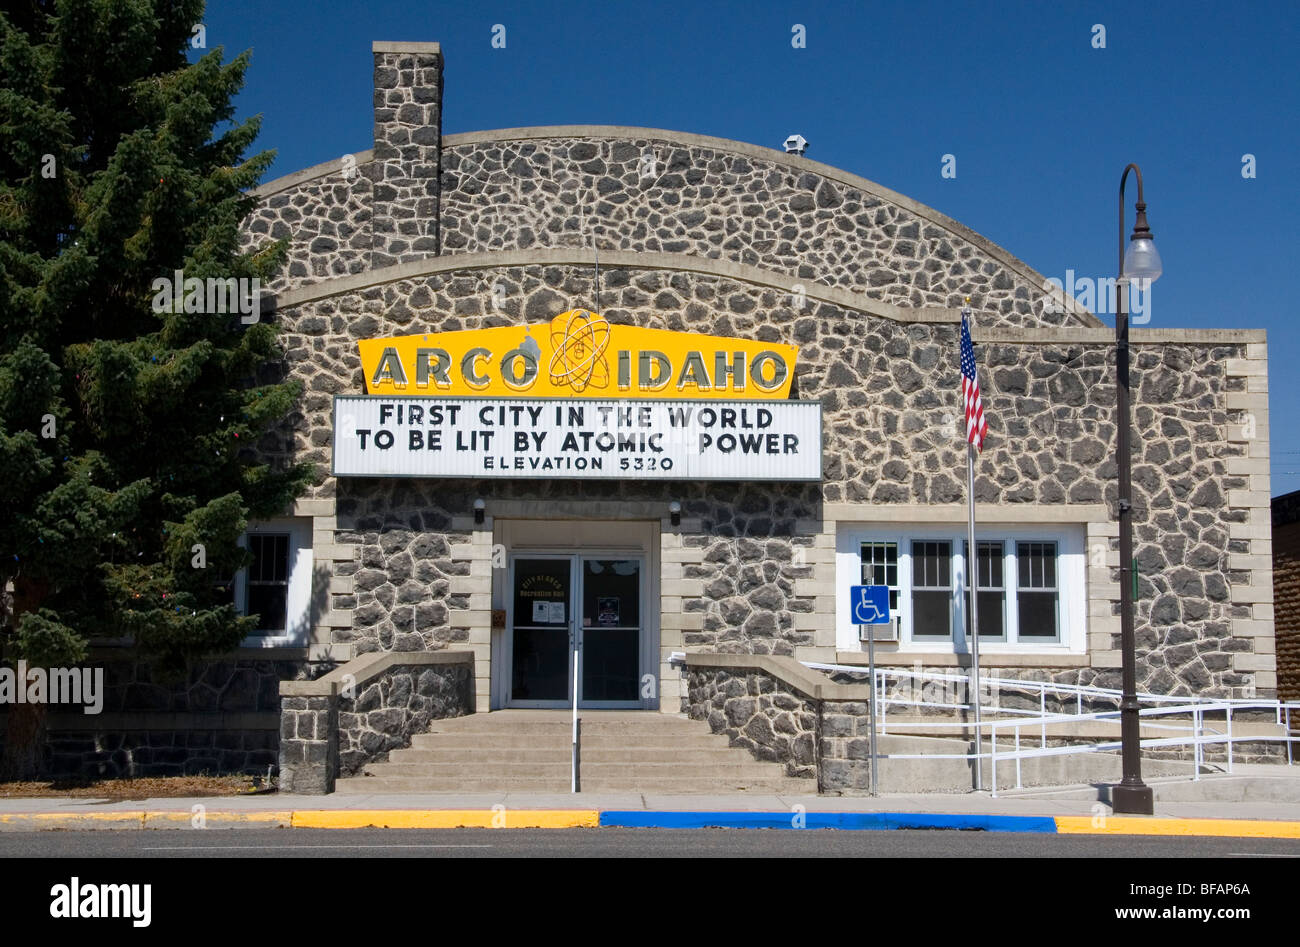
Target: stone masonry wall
(327, 223)
(219, 718)
(757, 712)
(825, 740)
(402, 701)
(333, 727)
(650, 194)
(309, 743)
(212, 687)
(236, 748)
(879, 381)
(407, 149)
(401, 596)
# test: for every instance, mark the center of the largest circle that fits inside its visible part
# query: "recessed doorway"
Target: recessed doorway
(589, 605)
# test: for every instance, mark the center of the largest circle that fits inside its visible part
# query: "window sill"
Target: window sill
(1051, 659)
(263, 642)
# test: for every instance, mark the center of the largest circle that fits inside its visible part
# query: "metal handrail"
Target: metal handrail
(1195, 732)
(1014, 683)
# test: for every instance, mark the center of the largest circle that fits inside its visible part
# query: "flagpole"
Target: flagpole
(972, 578)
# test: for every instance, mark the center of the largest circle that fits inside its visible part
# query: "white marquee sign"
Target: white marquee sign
(378, 436)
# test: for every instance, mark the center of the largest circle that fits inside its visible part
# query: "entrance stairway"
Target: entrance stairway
(530, 751)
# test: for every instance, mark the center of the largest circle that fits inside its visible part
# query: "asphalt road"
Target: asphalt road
(623, 843)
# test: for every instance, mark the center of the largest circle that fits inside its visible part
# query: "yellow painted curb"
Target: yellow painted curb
(1138, 825)
(74, 820)
(446, 819)
(181, 819)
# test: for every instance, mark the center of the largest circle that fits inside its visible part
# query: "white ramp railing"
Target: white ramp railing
(1162, 714)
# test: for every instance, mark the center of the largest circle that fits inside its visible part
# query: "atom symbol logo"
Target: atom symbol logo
(578, 346)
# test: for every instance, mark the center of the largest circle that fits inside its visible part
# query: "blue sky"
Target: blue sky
(1040, 122)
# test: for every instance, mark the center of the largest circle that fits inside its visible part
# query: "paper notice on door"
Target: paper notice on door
(541, 612)
(557, 612)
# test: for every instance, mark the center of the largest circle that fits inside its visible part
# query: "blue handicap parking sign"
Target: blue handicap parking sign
(869, 604)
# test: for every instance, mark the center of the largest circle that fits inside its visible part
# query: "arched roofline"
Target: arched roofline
(795, 163)
(610, 259)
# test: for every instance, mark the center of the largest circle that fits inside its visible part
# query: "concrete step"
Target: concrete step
(523, 741)
(458, 784)
(658, 724)
(401, 784)
(723, 768)
(783, 784)
(544, 771)
(453, 756)
(529, 751)
(463, 756)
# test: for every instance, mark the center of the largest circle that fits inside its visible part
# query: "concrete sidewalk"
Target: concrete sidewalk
(1072, 809)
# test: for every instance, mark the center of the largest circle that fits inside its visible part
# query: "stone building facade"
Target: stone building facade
(701, 235)
(426, 234)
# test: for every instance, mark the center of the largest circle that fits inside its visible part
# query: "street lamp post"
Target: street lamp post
(1140, 262)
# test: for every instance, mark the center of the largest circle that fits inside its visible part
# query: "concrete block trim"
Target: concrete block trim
(786, 670)
(629, 259)
(394, 46)
(368, 666)
(985, 513)
(322, 170)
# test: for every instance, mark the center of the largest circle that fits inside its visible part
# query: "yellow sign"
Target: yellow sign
(577, 354)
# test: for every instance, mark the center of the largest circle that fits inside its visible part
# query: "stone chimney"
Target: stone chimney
(408, 146)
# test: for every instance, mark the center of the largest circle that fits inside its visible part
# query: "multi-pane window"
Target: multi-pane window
(880, 567)
(1030, 586)
(268, 581)
(1037, 594)
(992, 590)
(931, 589)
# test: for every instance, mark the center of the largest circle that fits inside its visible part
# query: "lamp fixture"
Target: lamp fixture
(1141, 259)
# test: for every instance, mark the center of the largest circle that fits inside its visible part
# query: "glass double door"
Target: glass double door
(562, 604)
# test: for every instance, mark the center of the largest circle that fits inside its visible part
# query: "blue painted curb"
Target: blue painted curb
(639, 819)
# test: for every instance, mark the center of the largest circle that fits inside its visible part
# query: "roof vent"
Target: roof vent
(796, 145)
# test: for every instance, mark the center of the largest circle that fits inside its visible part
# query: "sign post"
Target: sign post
(869, 605)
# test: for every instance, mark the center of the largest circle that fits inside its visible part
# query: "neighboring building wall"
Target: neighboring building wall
(1286, 588)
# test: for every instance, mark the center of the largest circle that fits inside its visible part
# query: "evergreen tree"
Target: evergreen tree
(127, 462)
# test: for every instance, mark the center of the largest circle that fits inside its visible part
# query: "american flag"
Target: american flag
(977, 426)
